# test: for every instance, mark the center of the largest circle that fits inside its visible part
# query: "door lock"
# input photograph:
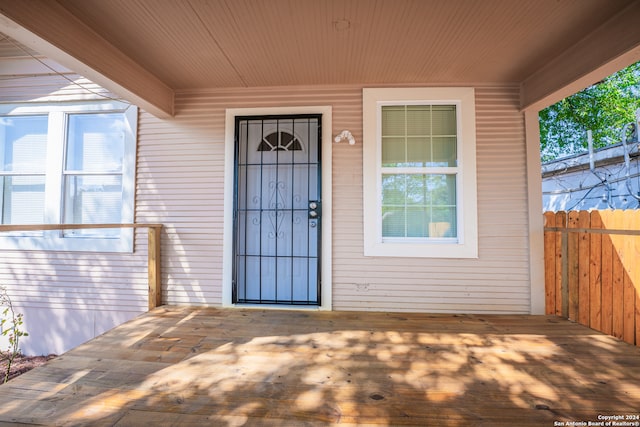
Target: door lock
(314, 207)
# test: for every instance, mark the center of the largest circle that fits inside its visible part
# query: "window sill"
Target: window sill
(421, 250)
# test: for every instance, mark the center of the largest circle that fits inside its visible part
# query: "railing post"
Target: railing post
(154, 268)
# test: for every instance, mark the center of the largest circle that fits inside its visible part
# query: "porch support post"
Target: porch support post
(154, 268)
(536, 220)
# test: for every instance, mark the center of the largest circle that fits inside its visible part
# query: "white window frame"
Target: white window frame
(54, 182)
(466, 243)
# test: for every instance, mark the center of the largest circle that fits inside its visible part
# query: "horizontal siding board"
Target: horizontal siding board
(411, 276)
(391, 299)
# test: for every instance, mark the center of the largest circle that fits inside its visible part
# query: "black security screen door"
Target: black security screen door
(277, 210)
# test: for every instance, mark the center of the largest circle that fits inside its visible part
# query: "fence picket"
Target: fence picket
(595, 274)
(634, 219)
(628, 290)
(550, 265)
(562, 302)
(607, 281)
(618, 279)
(584, 249)
(573, 263)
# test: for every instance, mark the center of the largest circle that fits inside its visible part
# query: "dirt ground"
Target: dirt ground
(22, 364)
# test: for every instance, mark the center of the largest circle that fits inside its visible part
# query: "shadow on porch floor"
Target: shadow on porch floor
(232, 367)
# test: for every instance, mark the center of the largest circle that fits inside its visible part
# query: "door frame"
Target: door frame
(326, 168)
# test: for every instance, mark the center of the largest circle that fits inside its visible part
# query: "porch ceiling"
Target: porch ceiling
(153, 48)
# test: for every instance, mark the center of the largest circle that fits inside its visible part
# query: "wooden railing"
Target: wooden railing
(592, 270)
(153, 249)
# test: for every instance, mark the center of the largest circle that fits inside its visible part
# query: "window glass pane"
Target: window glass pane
(417, 189)
(444, 119)
(393, 221)
(417, 221)
(394, 189)
(419, 205)
(23, 142)
(442, 189)
(94, 199)
(95, 142)
(418, 152)
(393, 120)
(419, 120)
(393, 151)
(443, 222)
(22, 199)
(444, 151)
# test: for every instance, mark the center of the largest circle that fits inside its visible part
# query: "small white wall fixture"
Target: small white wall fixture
(345, 135)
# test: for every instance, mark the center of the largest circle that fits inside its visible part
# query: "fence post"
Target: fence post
(154, 270)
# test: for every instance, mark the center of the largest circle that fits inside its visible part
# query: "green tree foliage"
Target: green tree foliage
(604, 108)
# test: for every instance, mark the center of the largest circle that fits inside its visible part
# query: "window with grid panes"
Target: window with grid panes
(419, 172)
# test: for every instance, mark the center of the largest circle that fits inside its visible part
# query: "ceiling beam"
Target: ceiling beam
(50, 29)
(609, 48)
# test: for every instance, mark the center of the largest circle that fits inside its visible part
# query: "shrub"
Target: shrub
(11, 327)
